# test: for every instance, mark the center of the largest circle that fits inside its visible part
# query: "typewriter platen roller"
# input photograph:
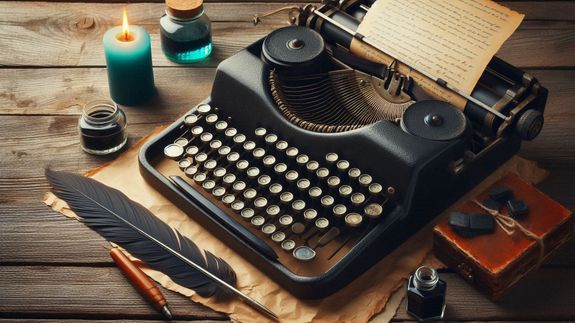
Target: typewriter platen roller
(313, 170)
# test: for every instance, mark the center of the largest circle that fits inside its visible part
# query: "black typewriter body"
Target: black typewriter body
(420, 177)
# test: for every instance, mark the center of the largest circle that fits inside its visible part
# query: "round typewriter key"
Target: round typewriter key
(250, 194)
(253, 172)
(239, 186)
(292, 152)
(228, 199)
(221, 125)
(310, 214)
(353, 219)
(219, 191)
(173, 151)
(208, 185)
(303, 184)
(286, 197)
(353, 173)
(229, 179)
(204, 108)
(249, 145)
(288, 245)
(231, 132)
(298, 228)
(271, 139)
(264, 180)
(181, 142)
(339, 210)
(200, 177)
(219, 172)
(184, 163)
(260, 202)
(269, 160)
(201, 157)
(260, 132)
(192, 150)
(280, 168)
(302, 159)
(211, 118)
(215, 144)
(390, 190)
(373, 210)
(327, 201)
(365, 180)
(242, 165)
(190, 120)
(233, 157)
(333, 181)
(259, 153)
(206, 137)
(257, 221)
(345, 190)
(237, 206)
(239, 139)
(285, 220)
(224, 151)
(331, 158)
(315, 192)
(291, 176)
(275, 188)
(342, 165)
(281, 145)
(321, 223)
(197, 130)
(375, 188)
(322, 173)
(312, 166)
(210, 165)
(191, 170)
(304, 253)
(273, 210)
(268, 229)
(298, 205)
(357, 199)
(278, 236)
(247, 213)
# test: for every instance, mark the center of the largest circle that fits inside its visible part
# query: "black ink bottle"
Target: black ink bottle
(102, 128)
(426, 295)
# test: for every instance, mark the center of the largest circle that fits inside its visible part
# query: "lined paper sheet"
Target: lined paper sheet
(451, 39)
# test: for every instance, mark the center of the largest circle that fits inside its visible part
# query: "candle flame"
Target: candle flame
(125, 26)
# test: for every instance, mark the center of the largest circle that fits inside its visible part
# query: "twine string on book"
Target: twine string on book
(509, 226)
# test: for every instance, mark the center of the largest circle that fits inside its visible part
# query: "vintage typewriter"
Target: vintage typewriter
(314, 164)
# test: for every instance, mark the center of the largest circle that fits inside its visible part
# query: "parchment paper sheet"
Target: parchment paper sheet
(358, 302)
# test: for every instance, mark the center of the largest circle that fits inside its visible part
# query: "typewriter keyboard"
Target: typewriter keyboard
(311, 211)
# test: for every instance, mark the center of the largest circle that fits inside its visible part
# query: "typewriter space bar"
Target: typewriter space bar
(228, 221)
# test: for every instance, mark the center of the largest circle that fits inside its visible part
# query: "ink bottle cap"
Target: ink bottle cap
(102, 128)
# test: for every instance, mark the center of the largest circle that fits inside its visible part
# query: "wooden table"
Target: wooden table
(51, 63)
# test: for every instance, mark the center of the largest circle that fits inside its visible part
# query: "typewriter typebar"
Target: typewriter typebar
(313, 170)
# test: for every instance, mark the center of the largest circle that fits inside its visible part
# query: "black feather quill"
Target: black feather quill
(121, 220)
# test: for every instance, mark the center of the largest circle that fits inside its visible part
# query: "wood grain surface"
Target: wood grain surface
(51, 63)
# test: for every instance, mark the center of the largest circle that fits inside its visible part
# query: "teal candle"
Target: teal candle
(129, 62)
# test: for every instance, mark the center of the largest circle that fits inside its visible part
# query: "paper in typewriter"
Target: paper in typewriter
(451, 39)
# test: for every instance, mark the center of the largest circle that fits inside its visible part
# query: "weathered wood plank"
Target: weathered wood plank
(544, 295)
(82, 293)
(65, 42)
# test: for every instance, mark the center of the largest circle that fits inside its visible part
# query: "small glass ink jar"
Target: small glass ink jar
(185, 31)
(426, 295)
(102, 128)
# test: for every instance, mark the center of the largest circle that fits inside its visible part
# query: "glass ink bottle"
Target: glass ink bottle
(102, 128)
(426, 295)
(185, 31)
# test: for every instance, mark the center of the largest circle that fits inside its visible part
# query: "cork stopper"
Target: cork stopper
(184, 9)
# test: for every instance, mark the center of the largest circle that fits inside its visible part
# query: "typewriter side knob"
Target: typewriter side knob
(434, 120)
(529, 124)
(293, 49)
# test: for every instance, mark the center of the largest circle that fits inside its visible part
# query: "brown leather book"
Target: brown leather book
(494, 262)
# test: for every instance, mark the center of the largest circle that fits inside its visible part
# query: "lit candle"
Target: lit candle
(129, 62)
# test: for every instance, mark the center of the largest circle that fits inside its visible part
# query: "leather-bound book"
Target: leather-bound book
(494, 262)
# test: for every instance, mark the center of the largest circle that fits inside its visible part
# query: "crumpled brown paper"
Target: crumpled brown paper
(358, 302)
